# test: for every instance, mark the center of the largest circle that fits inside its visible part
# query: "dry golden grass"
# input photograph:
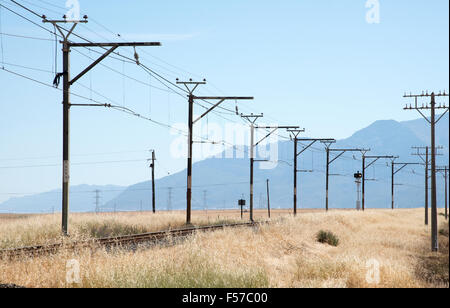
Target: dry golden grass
(28, 230)
(281, 254)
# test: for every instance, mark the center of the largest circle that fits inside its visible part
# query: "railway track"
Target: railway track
(125, 241)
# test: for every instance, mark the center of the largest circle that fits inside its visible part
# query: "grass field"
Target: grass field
(377, 248)
(27, 230)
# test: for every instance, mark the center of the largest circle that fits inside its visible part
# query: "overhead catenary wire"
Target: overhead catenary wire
(133, 112)
(129, 61)
(116, 107)
(161, 79)
(136, 189)
(25, 36)
(126, 110)
(1, 37)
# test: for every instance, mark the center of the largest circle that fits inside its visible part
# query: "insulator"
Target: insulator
(136, 56)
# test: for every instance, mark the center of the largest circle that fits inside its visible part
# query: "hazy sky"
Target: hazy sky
(313, 63)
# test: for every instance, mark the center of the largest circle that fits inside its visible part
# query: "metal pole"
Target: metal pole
(153, 182)
(392, 185)
(204, 201)
(426, 185)
(363, 181)
(268, 198)
(66, 135)
(434, 227)
(189, 160)
(252, 138)
(295, 176)
(445, 196)
(358, 194)
(169, 200)
(97, 201)
(327, 178)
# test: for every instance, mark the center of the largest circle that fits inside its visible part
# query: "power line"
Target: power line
(26, 36)
(118, 108)
(1, 37)
(52, 4)
(129, 59)
(151, 71)
(27, 19)
(126, 110)
(135, 189)
(432, 106)
(85, 163)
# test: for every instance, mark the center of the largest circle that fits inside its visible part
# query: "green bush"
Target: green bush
(327, 237)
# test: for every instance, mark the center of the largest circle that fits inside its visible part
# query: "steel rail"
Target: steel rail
(151, 237)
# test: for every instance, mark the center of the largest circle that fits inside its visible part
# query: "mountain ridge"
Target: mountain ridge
(218, 183)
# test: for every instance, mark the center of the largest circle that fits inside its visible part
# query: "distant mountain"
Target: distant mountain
(219, 183)
(82, 199)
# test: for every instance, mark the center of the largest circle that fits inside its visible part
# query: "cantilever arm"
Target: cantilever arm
(87, 69)
(267, 136)
(208, 111)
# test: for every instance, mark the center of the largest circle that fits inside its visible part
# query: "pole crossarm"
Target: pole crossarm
(426, 94)
(125, 44)
(224, 97)
(92, 105)
(376, 158)
(106, 54)
(334, 159)
(296, 132)
(190, 83)
(421, 155)
(343, 151)
(274, 129)
(221, 100)
(403, 165)
(64, 21)
(252, 118)
(266, 136)
(427, 107)
(277, 127)
(113, 46)
(69, 32)
(209, 110)
(316, 139)
(312, 142)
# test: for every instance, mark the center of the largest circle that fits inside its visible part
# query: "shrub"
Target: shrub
(327, 237)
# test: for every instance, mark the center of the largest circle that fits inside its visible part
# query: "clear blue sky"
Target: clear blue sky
(314, 63)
